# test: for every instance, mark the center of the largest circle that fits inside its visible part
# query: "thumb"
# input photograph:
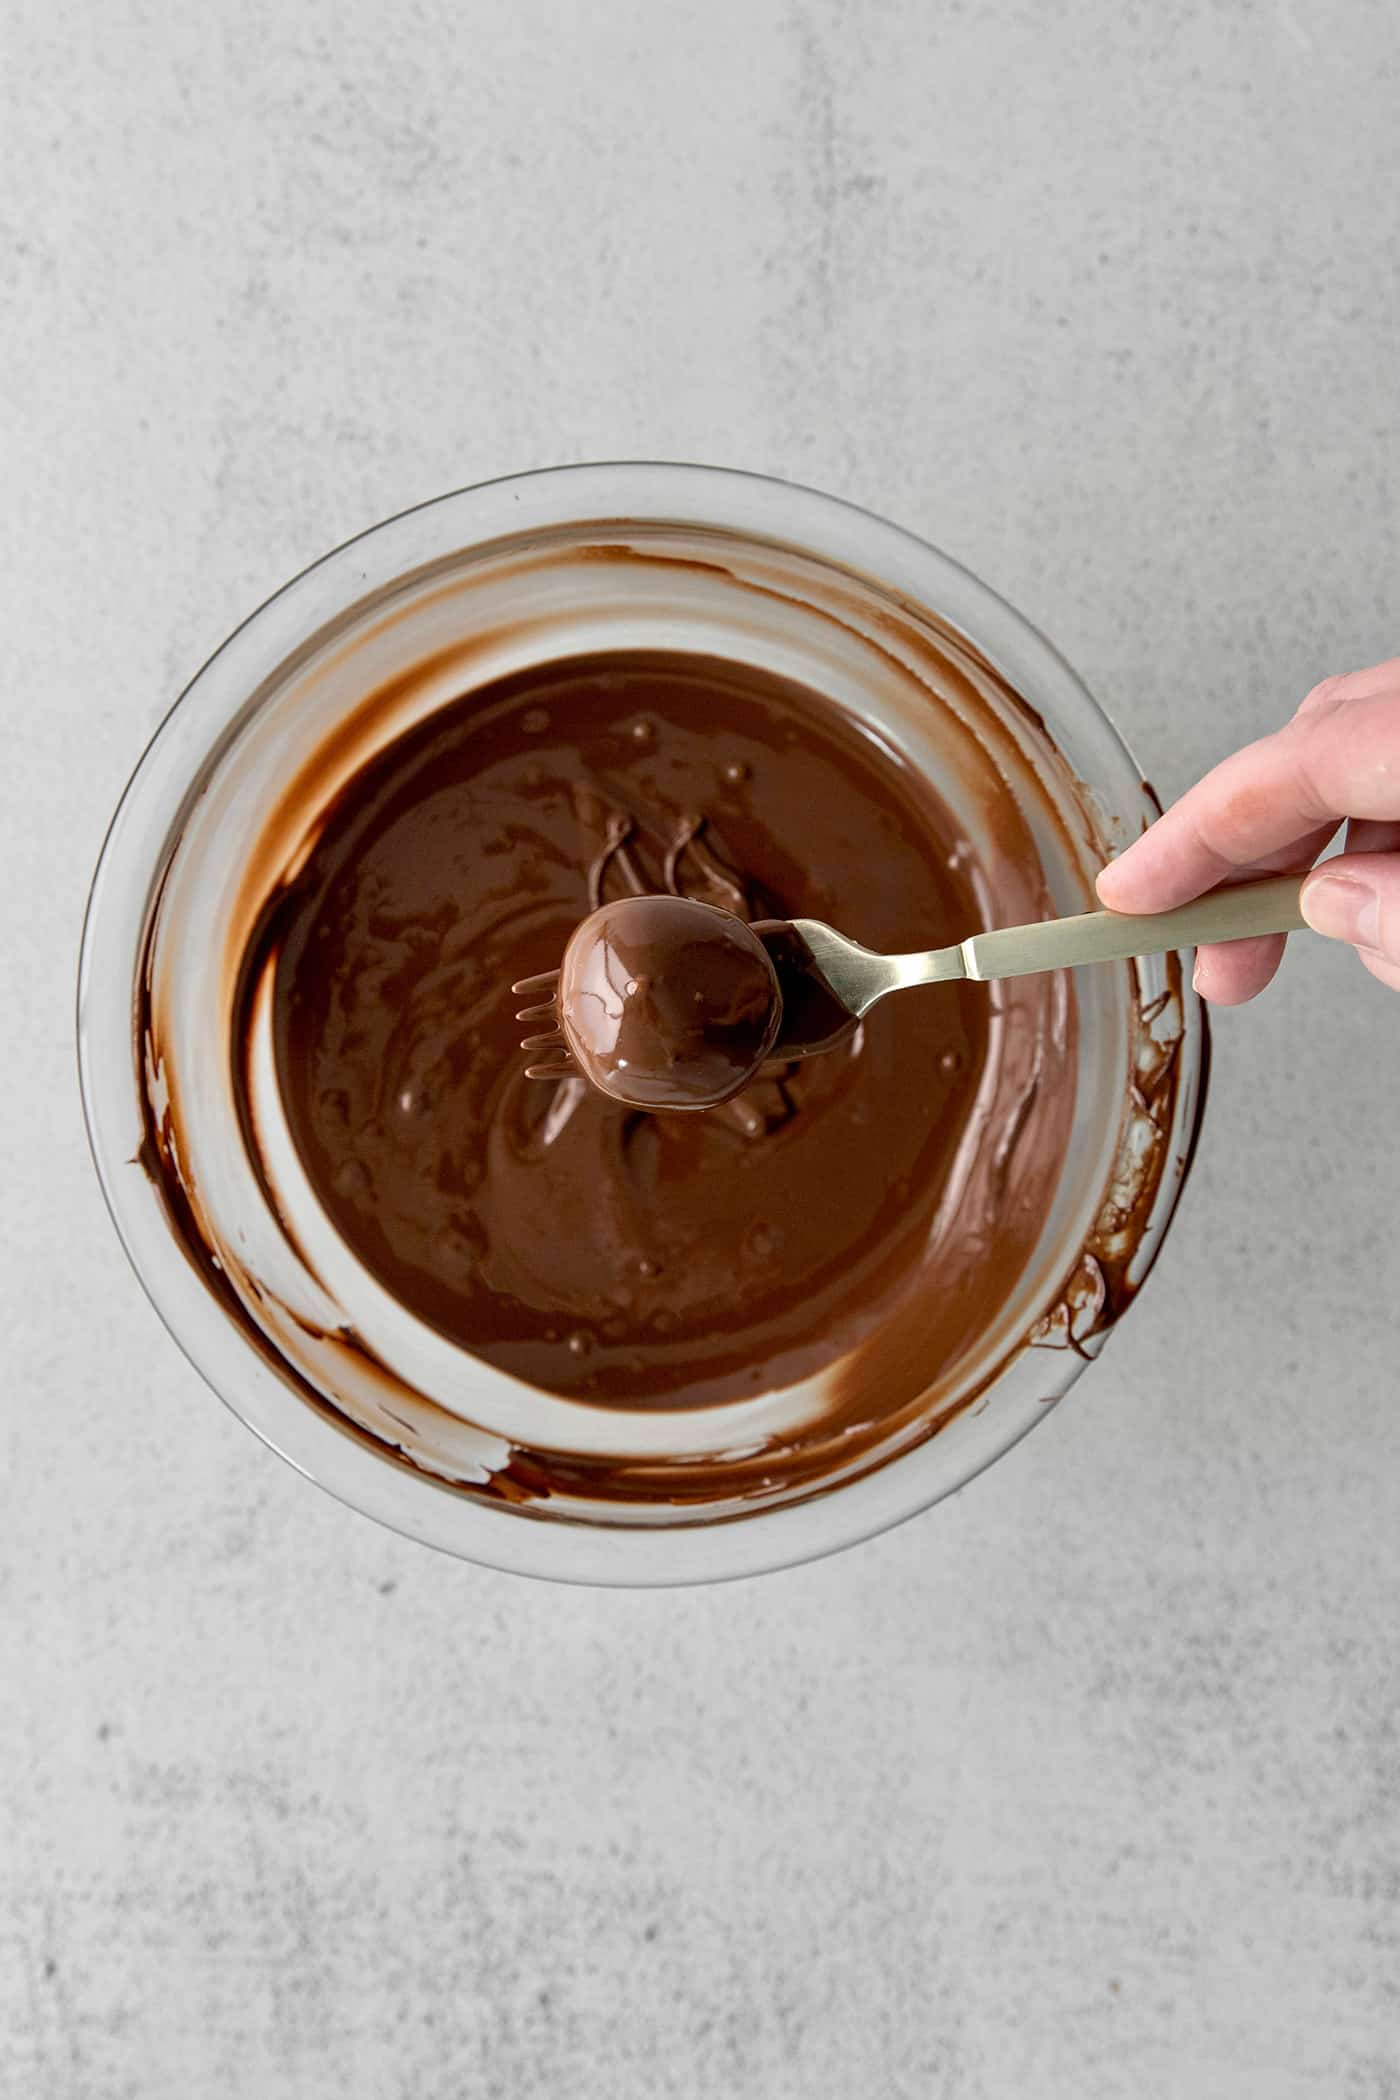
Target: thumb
(1356, 897)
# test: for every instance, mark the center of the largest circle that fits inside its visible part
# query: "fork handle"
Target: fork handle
(1109, 936)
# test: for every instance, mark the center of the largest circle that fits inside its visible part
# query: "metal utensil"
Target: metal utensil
(859, 977)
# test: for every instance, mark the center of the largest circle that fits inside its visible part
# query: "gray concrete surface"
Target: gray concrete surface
(1084, 1785)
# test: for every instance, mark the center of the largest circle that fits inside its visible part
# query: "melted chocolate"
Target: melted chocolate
(813, 1019)
(577, 1243)
(876, 1205)
(666, 1003)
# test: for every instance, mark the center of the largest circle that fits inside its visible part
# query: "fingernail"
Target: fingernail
(1343, 908)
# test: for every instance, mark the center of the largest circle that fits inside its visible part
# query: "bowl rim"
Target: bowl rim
(128, 867)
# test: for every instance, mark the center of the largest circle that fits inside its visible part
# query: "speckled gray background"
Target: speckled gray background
(1086, 1783)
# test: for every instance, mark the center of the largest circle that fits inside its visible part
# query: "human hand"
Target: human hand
(1271, 808)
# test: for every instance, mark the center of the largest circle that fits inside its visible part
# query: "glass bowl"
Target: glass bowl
(697, 558)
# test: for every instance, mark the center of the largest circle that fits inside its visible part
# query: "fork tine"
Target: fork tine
(563, 1069)
(543, 981)
(537, 1013)
(550, 1040)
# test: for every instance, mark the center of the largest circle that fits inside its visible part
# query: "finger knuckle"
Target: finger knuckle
(1325, 697)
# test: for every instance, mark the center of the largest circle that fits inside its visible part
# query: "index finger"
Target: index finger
(1278, 800)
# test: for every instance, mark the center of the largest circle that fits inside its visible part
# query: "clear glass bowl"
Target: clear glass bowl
(708, 559)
